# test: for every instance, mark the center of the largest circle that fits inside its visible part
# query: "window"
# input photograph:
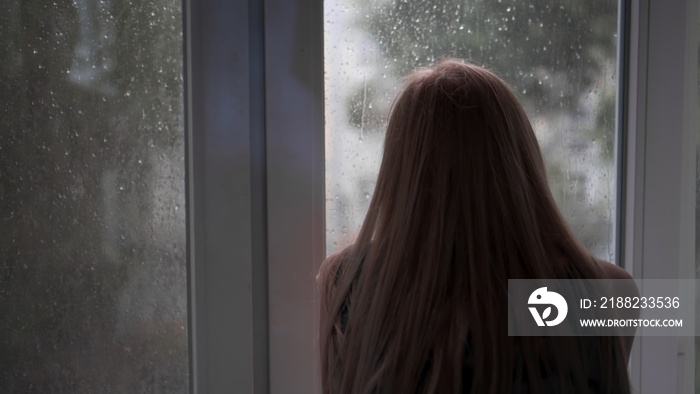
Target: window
(559, 58)
(92, 188)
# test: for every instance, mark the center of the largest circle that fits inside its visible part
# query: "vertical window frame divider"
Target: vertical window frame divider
(226, 196)
(294, 99)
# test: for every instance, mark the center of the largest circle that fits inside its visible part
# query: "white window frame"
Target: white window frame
(661, 118)
(254, 98)
(226, 196)
(254, 105)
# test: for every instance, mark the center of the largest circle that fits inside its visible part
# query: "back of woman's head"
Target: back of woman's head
(461, 205)
(458, 143)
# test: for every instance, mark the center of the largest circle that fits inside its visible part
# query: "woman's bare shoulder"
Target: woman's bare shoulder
(612, 271)
(625, 286)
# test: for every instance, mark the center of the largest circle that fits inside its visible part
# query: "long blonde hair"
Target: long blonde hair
(461, 205)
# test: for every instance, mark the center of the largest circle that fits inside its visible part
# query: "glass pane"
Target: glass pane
(92, 253)
(559, 57)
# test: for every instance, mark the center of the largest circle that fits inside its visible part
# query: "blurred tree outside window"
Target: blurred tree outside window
(93, 292)
(559, 56)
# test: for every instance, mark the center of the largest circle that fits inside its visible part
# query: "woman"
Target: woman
(418, 303)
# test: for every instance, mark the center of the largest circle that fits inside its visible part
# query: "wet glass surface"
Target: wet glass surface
(92, 219)
(559, 57)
